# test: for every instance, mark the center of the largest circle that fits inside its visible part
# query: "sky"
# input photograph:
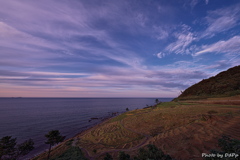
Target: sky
(114, 48)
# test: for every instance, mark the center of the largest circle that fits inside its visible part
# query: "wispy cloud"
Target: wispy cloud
(220, 65)
(63, 30)
(161, 32)
(184, 39)
(160, 55)
(222, 20)
(193, 3)
(228, 46)
(113, 48)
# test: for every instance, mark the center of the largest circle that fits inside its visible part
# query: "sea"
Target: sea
(25, 118)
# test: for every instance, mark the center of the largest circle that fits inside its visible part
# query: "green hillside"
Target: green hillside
(226, 83)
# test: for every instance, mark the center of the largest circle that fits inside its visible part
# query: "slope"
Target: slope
(226, 83)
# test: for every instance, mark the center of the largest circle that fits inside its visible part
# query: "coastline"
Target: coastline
(84, 131)
(70, 116)
(158, 137)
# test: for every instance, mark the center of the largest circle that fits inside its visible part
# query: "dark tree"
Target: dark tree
(152, 152)
(127, 109)
(108, 157)
(25, 147)
(53, 137)
(9, 151)
(227, 145)
(156, 101)
(7, 146)
(123, 156)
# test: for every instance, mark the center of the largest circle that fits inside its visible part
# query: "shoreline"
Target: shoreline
(84, 131)
(70, 121)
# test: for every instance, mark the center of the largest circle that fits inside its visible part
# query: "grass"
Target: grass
(118, 118)
(165, 117)
(69, 143)
(111, 134)
(72, 153)
(56, 151)
(170, 125)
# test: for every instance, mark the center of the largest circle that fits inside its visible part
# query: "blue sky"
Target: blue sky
(114, 48)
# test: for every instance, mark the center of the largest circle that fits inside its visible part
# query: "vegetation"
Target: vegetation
(226, 83)
(72, 153)
(180, 129)
(152, 152)
(9, 150)
(94, 151)
(53, 137)
(123, 156)
(108, 157)
(156, 101)
(228, 146)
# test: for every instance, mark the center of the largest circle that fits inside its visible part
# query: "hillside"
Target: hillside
(182, 130)
(226, 83)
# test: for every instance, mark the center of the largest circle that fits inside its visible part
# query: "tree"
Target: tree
(227, 145)
(156, 101)
(9, 151)
(53, 137)
(7, 146)
(127, 109)
(25, 147)
(152, 152)
(123, 156)
(108, 157)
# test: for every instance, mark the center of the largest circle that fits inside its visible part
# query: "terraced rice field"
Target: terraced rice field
(111, 134)
(183, 130)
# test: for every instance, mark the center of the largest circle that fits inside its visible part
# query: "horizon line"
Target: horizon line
(86, 97)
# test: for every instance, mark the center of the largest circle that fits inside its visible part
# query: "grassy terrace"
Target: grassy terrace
(182, 129)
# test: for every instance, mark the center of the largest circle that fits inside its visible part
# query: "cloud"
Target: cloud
(173, 75)
(161, 32)
(228, 46)
(102, 46)
(222, 65)
(221, 20)
(206, 1)
(109, 78)
(190, 4)
(43, 33)
(141, 19)
(7, 31)
(193, 3)
(160, 55)
(184, 39)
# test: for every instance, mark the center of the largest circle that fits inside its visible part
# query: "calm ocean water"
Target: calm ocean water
(26, 118)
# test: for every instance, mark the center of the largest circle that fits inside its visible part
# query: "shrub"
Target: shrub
(227, 145)
(9, 150)
(72, 153)
(108, 157)
(123, 156)
(152, 152)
